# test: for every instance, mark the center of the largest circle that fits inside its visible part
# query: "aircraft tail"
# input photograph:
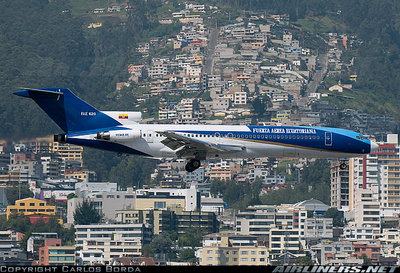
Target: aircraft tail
(67, 110)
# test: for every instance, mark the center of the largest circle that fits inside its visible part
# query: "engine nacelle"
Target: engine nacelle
(118, 135)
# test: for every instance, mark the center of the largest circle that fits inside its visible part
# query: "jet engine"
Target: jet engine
(119, 135)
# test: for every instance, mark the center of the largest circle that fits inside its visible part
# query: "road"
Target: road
(322, 62)
(212, 43)
(318, 76)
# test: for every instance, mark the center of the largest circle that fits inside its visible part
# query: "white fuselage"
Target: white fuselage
(147, 140)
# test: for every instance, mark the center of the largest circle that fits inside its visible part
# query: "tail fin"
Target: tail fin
(67, 110)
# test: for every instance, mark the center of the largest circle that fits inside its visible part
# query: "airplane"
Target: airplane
(122, 132)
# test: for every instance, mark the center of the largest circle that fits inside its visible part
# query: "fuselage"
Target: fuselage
(121, 132)
(255, 141)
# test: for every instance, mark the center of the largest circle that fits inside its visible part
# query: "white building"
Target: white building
(318, 228)
(114, 240)
(106, 203)
(90, 257)
(191, 195)
(239, 98)
(210, 204)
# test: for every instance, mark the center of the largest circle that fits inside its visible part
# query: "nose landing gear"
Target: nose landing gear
(192, 165)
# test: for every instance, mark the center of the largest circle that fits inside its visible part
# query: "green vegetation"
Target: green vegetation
(320, 25)
(18, 192)
(86, 214)
(238, 196)
(336, 216)
(50, 46)
(22, 224)
(127, 171)
(314, 183)
(161, 246)
(375, 23)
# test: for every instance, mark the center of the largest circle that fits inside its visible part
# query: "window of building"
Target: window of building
(160, 205)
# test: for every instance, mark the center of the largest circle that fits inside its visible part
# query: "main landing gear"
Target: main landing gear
(192, 165)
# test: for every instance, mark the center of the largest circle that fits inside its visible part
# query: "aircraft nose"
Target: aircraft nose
(374, 147)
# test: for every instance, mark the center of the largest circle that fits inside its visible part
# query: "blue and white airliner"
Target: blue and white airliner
(122, 132)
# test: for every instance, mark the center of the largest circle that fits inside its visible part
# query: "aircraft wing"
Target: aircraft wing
(187, 146)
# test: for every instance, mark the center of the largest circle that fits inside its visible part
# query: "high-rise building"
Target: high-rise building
(232, 249)
(115, 240)
(339, 186)
(368, 190)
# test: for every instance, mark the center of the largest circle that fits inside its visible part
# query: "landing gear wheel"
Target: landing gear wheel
(343, 166)
(192, 165)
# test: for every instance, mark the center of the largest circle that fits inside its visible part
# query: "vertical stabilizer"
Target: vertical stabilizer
(67, 110)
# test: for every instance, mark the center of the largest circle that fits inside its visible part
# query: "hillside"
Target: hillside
(375, 23)
(50, 45)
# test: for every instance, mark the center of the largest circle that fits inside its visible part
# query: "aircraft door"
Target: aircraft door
(217, 137)
(328, 138)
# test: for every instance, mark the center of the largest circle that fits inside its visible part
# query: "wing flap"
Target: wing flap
(189, 145)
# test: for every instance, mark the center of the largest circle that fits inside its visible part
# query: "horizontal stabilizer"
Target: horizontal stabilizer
(25, 92)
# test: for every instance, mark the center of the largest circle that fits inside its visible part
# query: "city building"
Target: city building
(10, 251)
(31, 207)
(231, 249)
(163, 198)
(53, 254)
(160, 220)
(106, 203)
(187, 221)
(114, 240)
(90, 257)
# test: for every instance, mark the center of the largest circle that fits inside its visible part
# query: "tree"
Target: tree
(188, 255)
(192, 238)
(336, 216)
(18, 192)
(304, 260)
(162, 245)
(86, 214)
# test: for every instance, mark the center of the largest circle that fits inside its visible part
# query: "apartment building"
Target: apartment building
(31, 207)
(115, 240)
(259, 220)
(232, 249)
(90, 257)
(57, 255)
(9, 245)
(106, 203)
(160, 220)
(284, 240)
(186, 221)
(340, 184)
(67, 151)
(369, 189)
(163, 198)
(330, 252)
(317, 228)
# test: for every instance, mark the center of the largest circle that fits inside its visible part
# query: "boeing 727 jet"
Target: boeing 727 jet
(122, 132)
